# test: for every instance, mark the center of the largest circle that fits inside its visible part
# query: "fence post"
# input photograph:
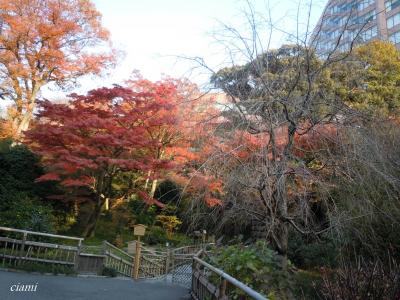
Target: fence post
(78, 252)
(168, 261)
(104, 246)
(21, 250)
(136, 263)
(222, 290)
(104, 252)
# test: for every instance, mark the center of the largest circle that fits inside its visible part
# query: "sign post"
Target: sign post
(138, 230)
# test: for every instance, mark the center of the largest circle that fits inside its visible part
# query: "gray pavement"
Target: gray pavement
(69, 288)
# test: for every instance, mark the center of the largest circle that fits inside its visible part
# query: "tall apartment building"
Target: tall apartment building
(357, 21)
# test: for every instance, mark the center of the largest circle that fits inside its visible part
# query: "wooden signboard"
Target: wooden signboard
(139, 230)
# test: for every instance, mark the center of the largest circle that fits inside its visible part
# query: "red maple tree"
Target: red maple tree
(89, 141)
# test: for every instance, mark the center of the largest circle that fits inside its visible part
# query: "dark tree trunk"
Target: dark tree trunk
(93, 218)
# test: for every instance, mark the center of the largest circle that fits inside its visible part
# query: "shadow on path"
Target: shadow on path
(65, 287)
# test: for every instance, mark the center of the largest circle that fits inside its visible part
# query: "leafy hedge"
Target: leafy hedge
(257, 266)
(20, 196)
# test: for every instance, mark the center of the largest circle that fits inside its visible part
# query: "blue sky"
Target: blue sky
(153, 32)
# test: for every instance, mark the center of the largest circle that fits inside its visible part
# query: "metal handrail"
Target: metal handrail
(193, 247)
(232, 280)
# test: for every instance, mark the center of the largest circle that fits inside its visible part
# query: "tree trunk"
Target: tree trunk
(283, 241)
(22, 121)
(92, 221)
(19, 126)
(280, 199)
(147, 180)
(153, 188)
(23, 125)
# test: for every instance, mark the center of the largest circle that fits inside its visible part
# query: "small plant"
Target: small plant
(156, 235)
(257, 266)
(109, 272)
(169, 223)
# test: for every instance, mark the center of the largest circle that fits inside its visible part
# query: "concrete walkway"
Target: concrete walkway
(70, 288)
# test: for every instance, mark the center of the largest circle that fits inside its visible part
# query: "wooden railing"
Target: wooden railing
(19, 248)
(118, 259)
(203, 288)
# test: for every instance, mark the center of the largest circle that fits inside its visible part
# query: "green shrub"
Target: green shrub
(21, 198)
(143, 213)
(19, 168)
(179, 239)
(155, 235)
(18, 210)
(109, 272)
(307, 252)
(168, 192)
(257, 266)
(307, 285)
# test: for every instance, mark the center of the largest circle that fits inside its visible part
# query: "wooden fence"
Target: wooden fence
(28, 246)
(90, 263)
(20, 246)
(207, 282)
(118, 259)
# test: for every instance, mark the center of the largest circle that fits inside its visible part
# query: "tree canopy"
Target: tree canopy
(44, 41)
(369, 79)
(89, 141)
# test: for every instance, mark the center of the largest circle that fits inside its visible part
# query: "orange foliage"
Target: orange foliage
(46, 41)
(241, 146)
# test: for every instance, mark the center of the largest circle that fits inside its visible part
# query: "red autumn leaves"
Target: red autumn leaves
(153, 129)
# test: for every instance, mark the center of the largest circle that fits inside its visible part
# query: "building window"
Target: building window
(366, 18)
(395, 37)
(393, 20)
(333, 9)
(392, 4)
(343, 21)
(335, 34)
(369, 33)
(364, 4)
(343, 7)
(333, 21)
(350, 35)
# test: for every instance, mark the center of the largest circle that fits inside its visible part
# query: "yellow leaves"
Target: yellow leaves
(169, 223)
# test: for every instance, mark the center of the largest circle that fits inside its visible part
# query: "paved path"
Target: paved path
(71, 288)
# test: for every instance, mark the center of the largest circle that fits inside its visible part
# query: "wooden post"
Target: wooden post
(136, 263)
(222, 290)
(168, 260)
(21, 250)
(194, 283)
(105, 253)
(78, 252)
(172, 260)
